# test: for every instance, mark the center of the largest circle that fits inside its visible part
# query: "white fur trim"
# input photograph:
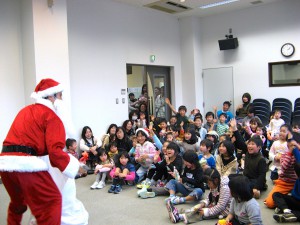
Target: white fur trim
(47, 92)
(13, 163)
(72, 168)
(143, 130)
(45, 102)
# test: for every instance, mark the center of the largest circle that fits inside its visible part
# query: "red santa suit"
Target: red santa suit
(37, 136)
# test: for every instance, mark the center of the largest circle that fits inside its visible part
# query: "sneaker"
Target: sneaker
(278, 211)
(147, 194)
(144, 189)
(112, 189)
(100, 185)
(94, 185)
(145, 183)
(169, 198)
(118, 189)
(173, 212)
(285, 217)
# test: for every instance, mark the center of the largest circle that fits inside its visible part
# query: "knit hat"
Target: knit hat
(46, 87)
(143, 130)
(212, 133)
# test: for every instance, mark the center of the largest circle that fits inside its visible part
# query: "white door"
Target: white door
(217, 88)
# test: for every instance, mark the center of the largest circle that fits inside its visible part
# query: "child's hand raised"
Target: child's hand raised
(167, 100)
(233, 124)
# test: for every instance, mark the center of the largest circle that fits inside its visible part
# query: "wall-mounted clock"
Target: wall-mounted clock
(287, 49)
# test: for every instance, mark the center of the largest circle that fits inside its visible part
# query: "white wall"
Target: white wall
(103, 37)
(11, 79)
(261, 32)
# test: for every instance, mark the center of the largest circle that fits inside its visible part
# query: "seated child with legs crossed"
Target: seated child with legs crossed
(287, 176)
(123, 171)
(189, 184)
(104, 165)
(255, 165)
(288, 206)
(145, 152)
(165, 169)
(206, 159)
(244, 209)
(216, 205)
(278, 148)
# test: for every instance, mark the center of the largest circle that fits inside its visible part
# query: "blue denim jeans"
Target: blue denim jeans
(175, 186)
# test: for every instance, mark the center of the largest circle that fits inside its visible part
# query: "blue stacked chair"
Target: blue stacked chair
(262, 109)
(296, 113)
(285, 106)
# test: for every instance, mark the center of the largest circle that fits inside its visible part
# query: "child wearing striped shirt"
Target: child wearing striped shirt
(216, 205)
(287, 176)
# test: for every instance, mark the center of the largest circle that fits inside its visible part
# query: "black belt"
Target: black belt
(19, 148)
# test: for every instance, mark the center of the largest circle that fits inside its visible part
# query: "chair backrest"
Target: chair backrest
(281, 102)
(262, 109)
(296, 119)
(297, 104)
(285, 106)
(262, 102)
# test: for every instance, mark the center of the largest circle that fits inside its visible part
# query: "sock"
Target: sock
(103, 177)
(287, 211)
(182, 200)
(98, 177)
(181, 217)
(172, 195)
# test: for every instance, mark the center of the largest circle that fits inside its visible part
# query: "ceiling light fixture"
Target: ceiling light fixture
(217, 4)
(182, 0)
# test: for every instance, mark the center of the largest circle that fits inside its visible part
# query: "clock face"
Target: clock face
(287, 49)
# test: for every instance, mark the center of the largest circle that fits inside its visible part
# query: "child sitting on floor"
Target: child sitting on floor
(190, 183)
(216, 205)
(123, 171)
(244, 209)
(104, 165)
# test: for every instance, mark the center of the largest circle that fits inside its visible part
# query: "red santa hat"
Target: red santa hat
(143, 130)
(46, 87)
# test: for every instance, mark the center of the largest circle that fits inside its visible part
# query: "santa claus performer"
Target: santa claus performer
(37, 136)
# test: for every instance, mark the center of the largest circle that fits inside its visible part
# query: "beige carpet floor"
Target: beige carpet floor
(124, 208)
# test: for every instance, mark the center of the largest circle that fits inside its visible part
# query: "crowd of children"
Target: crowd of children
(182, 157)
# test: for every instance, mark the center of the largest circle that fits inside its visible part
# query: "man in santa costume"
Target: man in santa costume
(36, 138)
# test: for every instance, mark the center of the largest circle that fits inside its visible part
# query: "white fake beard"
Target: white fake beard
(65, 116)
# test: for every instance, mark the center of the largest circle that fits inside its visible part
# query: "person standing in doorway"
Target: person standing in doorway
(159, 102)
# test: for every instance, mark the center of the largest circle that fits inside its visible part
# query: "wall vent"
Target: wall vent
(168, 6)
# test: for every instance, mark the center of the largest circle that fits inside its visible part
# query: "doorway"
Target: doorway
(217, 88)
(157, 81)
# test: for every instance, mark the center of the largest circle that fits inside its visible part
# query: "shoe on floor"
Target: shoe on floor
(147, 194)
(278, 211)
(145, 183)
(118, 189)
(112, 189)
(94, 185)
(144, 189)
(285, 217)
(100, 185)
(173, 212)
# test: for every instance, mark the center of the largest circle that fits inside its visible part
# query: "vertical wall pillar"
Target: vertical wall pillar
(45, 44)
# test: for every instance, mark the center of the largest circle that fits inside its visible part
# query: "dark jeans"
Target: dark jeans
(118, 181)
(287, 202)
